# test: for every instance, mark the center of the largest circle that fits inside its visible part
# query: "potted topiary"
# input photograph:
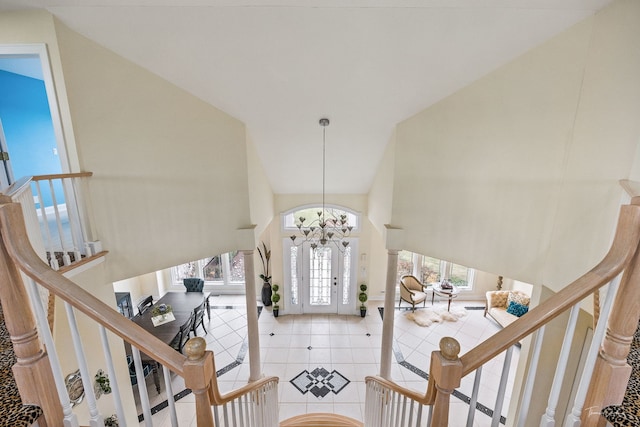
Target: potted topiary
(275, 297)
(265, 257)
(363, 299)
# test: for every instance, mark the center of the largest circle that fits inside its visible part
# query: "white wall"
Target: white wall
(170, 180)
(517, 173)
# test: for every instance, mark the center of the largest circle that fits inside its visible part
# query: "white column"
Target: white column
(387, 321)
(253, 335)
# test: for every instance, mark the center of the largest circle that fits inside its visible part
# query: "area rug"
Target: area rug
(426, 317)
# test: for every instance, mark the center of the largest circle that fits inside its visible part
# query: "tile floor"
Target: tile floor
(347, 347)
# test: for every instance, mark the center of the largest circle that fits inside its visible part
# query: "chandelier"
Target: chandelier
(327, 227)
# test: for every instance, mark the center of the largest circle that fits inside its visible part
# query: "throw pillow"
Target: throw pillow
(518, 297)
(517, 309)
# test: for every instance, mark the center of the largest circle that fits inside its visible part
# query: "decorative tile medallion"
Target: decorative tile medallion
(319, 382)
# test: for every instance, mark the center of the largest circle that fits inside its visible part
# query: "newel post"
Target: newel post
(445, 373)
(199, 370)
(611, 372)
(32, 371)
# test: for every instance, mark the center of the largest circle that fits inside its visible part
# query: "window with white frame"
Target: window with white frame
(428, 270)
(310, 213)
(220, 270)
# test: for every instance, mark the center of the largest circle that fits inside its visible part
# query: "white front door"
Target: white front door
(321, 280)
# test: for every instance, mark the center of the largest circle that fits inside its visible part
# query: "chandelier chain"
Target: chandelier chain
(329, 228)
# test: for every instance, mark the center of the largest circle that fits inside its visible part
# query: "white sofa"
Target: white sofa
(498, 301)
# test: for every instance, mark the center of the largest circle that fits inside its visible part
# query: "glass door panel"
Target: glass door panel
(320, 283)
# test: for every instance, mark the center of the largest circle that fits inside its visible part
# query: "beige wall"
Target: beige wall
(170, 179)
(517, 173)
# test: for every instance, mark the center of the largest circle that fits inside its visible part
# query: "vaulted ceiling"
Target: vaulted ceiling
(279, 66)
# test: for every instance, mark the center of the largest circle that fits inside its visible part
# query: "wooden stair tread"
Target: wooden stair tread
(320, 420)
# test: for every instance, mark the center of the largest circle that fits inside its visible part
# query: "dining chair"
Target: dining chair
(183, 335)
(411, 291)
(198, 318)
(193, 284)
(145, 303)
(148, 368)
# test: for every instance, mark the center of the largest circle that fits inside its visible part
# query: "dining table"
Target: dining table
(182, 305)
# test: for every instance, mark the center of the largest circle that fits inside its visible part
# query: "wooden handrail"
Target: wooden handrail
(61, 176)
(221, 399)
(17, 186)
(622, 250)
(17, 243)
(423, 399)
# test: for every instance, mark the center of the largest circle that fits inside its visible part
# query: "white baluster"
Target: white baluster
(548, 418)
(113, 381)
(45, 223)
(70, 419)
(170, 398)
(474, 397)
(142, 387)
(95, 418)
(65, 253)
(497, 411)
(72, 216)
(531, 375)
(573, 419)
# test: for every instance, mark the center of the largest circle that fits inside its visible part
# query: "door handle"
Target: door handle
(335, 281)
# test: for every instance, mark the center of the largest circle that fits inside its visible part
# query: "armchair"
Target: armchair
(411, 291)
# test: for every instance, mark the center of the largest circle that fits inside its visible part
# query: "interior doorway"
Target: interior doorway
(30, 130)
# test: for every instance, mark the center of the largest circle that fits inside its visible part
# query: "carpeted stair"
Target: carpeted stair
(628, 413)
(12, 412)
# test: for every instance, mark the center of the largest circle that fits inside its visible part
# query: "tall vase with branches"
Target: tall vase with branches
(265, 257)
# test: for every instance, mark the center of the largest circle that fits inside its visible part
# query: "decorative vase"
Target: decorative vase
(276, 312)
(266, 294)
(363, 312)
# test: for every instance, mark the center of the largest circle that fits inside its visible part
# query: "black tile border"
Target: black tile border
(239, 360)
(402, 362)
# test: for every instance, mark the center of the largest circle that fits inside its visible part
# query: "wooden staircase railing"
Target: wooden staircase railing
(611, 371)
(256, 403)
(61, 233)
(33, 372)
